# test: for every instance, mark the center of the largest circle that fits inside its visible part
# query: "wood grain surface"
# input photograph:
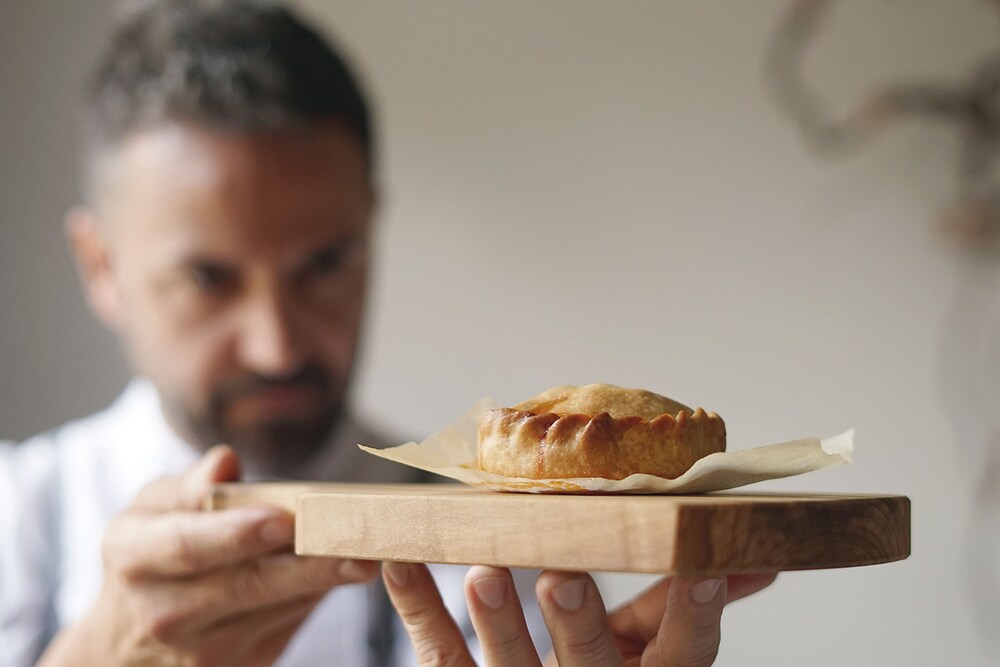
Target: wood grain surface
(701, 534)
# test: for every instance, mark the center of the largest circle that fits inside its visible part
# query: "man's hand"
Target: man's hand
(184, 587)
(674, 623)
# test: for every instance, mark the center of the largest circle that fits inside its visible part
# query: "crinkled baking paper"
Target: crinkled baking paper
(453, 453)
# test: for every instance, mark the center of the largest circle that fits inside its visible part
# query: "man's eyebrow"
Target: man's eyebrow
(197, 259)
(338, 245)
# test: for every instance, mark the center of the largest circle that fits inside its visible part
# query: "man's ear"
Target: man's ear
(92, 251)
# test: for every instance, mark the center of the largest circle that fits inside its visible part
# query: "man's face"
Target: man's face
(234, 270)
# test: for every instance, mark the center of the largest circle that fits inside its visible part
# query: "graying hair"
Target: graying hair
(230, 65)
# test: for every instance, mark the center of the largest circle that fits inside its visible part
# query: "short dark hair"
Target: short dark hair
(232, 65)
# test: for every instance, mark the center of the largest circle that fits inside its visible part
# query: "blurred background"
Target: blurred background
(580, 190)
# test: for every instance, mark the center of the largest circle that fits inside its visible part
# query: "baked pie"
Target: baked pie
(597, 430)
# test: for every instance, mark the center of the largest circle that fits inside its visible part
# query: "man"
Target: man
(225, 239)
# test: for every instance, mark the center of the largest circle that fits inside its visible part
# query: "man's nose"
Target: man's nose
(269, 342)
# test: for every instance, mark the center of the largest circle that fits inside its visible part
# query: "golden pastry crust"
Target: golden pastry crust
(597, 430)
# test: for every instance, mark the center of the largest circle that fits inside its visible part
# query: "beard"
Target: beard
(275, 445)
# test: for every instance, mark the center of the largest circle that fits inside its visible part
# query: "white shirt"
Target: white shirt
(58, 490)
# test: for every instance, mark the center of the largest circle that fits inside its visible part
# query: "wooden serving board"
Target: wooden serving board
(700, 534)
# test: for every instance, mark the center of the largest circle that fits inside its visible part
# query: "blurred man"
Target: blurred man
(225, 240)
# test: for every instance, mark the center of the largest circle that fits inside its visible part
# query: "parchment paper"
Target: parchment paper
(453, 453)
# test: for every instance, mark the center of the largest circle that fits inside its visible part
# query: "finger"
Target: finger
(180, 543)
(577, 620)
(742, 585)
(189, 489)
(435, 637)
(261, 631)
(267, 652)
(181, 610)
(240, 635)
(498, 618)
(690, 632)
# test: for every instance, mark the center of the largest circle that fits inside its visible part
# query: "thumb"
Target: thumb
(190, 489)
(219, 464)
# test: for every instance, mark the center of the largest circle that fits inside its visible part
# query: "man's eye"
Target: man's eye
(211, 278)
(329, 261)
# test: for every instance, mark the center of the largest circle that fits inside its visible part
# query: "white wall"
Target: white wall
(585, 190)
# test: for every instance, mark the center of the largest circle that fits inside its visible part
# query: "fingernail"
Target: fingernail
(353, 570)
(491, 591)
(705, 591)
(399, 573)
(277, 531)
(569, 594)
